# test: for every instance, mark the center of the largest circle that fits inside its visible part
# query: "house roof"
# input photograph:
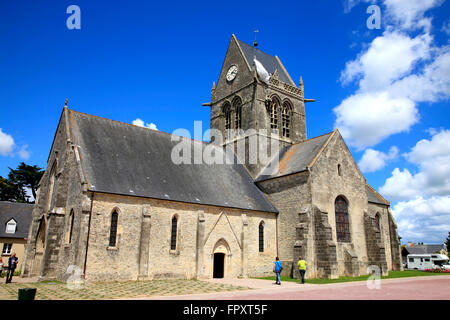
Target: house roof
(21, 213)
(294, 158)
(375, 197)
(269, 62)
(124, 159)
(424, 249)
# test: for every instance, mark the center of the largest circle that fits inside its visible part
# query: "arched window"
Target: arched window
(227, 113)
(339, 170)
(274, 106)
(237, 106)
(261, 237)
(70, 229)
(377, 222)
(342, 222)
(51, 186)
(173, 235)
(113, 229)
(286, 120)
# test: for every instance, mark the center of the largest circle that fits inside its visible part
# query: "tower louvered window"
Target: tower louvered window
(238, 118)
(342, 221)
(173, 235)
(113, 229)
(227, 113)
(275, 105)
(286, 120)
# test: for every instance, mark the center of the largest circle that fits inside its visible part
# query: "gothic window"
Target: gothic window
(377, 222)
(342, 221)
(261, 237)
(70, 229)
(173, 235)
(286, 120)
(113, 229)
(237, 105)
(274, 106)
(227, 112)
(51, 186)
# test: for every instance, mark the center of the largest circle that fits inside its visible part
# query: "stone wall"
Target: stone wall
(327, 183)
(290, 194)
(375, 244)
(201, 230)
(59, 190)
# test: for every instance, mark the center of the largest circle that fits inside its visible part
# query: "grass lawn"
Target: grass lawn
(392, 274)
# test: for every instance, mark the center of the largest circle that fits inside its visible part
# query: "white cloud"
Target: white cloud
(423, 210)
(373, 160)
(409, 14)
(432, 157)
(388, 58)
(423, 220)
(24, 153)
(394, 73)
(6, 143)
(446, 27)
(365, 119)
(350, 4)
(140, 123)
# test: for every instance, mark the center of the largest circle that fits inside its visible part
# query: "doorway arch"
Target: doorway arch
(221, 259)
(39, 248)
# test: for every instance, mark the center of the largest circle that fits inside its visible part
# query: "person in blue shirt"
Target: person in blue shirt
(12, 264)
(277, 269)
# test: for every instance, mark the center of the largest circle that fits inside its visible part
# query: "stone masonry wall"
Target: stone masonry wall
(290, 194)
(222, 229)
(326, 185)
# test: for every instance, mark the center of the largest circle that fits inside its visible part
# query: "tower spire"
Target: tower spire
(255, 43)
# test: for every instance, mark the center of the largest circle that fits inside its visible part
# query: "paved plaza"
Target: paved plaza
(414, 288)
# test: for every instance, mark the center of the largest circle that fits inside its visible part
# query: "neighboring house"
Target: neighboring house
(15, 221)
(115, 204)
(422, 249)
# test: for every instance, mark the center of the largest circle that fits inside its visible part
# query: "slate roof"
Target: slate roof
(120, 158)
(375, 197)
(293, 159)
(269, 62)
(21, 213)
(423, 249)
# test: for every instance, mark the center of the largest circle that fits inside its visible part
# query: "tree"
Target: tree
(15, 187)
(10, 191)
(27, 176)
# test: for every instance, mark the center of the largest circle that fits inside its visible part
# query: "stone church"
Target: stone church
(113, 204)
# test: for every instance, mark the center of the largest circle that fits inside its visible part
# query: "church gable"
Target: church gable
(239, 69)
(337, 157)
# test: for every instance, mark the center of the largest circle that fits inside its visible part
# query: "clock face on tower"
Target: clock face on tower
(232, 72)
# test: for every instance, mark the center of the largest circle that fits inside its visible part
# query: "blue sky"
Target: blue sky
(387, 89)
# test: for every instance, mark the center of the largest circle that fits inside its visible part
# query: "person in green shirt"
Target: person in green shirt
(302, 268)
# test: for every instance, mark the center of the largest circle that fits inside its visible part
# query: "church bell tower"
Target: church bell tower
(256, 99)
